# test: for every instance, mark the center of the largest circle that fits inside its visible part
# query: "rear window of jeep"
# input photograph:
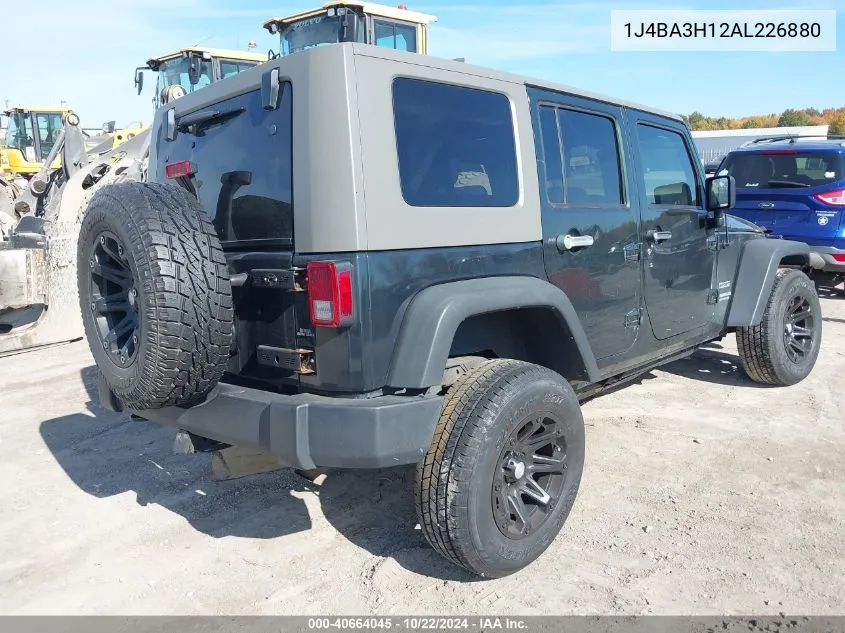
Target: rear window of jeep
(456, 145)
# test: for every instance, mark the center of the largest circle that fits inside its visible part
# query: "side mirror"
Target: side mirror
(348, 28)
(139, 80)
(194, 70)
(721, 193)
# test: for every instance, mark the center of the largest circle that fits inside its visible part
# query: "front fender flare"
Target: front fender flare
(433, 317)
(755, 277)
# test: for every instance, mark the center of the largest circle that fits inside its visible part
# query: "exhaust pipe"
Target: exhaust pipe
(816, 261)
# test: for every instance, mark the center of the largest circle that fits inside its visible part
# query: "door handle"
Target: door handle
(659, 236)
(568, 242)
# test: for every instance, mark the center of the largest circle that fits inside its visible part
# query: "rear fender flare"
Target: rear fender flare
(755, 277)
(434, 315)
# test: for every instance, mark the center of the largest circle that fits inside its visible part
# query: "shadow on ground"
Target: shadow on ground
(830, 292)
(107, 454)
(710, 365)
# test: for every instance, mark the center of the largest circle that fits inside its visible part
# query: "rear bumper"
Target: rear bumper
(821, 258)
(307, 431)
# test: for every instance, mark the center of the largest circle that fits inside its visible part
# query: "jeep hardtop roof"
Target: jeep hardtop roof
(246, 80)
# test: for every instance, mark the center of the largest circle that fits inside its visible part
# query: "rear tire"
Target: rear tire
(482, 473)
(783, 348)
(155, 294)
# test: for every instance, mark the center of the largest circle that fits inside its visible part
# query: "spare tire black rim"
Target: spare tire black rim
(114, 299)
(799, 329)
(529, 477)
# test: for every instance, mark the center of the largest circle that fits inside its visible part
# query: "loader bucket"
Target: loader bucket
(39, 301)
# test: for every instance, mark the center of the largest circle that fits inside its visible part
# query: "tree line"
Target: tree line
(834, 117)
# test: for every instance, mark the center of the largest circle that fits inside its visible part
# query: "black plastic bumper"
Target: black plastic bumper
(307, 431)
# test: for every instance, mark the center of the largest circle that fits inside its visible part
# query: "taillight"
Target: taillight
(330, 293)
(839, 257)
(835, 197)
(179, 170)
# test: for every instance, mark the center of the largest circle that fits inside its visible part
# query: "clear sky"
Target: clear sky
(85, 52)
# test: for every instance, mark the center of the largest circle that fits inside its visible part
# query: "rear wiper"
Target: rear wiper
(197, 120)
(786, 183)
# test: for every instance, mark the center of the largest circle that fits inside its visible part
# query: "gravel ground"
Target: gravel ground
(703, 493)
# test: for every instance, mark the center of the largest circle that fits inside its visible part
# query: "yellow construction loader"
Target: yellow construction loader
(53, 170)
(31, 134)
(38, 297)
(353, 21)
(192, 68)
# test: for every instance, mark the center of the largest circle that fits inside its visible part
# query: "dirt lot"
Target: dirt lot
(703, 493)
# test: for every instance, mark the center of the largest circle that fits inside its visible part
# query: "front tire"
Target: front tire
(504, 467)
(783, 348)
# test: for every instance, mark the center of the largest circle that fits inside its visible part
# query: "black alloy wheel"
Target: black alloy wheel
(114, 299)
(530, 477)
(799, 328)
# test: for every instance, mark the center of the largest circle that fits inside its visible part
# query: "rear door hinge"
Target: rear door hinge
(633, 317)
(298, 361)
(712, 297)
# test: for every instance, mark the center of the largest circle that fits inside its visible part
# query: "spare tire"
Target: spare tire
(155, 294)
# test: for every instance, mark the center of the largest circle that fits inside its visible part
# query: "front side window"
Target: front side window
(581, 156)
(456, 145)
(668, 175)
(49, 126)
(402, 37)
(176, 73)
(19, 132)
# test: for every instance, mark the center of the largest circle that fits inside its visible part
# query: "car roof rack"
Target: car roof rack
(793, 139)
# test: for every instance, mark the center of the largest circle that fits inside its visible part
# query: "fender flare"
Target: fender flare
(755, 277)
(434, 314)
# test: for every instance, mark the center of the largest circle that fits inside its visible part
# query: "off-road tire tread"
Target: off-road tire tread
(752, 341)
(445, 470)
(181, 266)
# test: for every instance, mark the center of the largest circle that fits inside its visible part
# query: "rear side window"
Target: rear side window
(668, 175)
(402, 37)
(456, 145)
(785, 168)
(233, 67)
(581, 155)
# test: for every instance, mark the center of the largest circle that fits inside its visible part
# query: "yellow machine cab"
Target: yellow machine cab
(353, 21)
(30, 135)
(192, 68)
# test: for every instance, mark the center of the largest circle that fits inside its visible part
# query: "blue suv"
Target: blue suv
(795, 188)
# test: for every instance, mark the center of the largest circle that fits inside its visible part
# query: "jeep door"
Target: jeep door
(590, 229)
(678, 258)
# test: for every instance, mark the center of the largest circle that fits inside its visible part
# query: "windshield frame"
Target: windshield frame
(21, 135)
(14, 125)
(181, 65)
